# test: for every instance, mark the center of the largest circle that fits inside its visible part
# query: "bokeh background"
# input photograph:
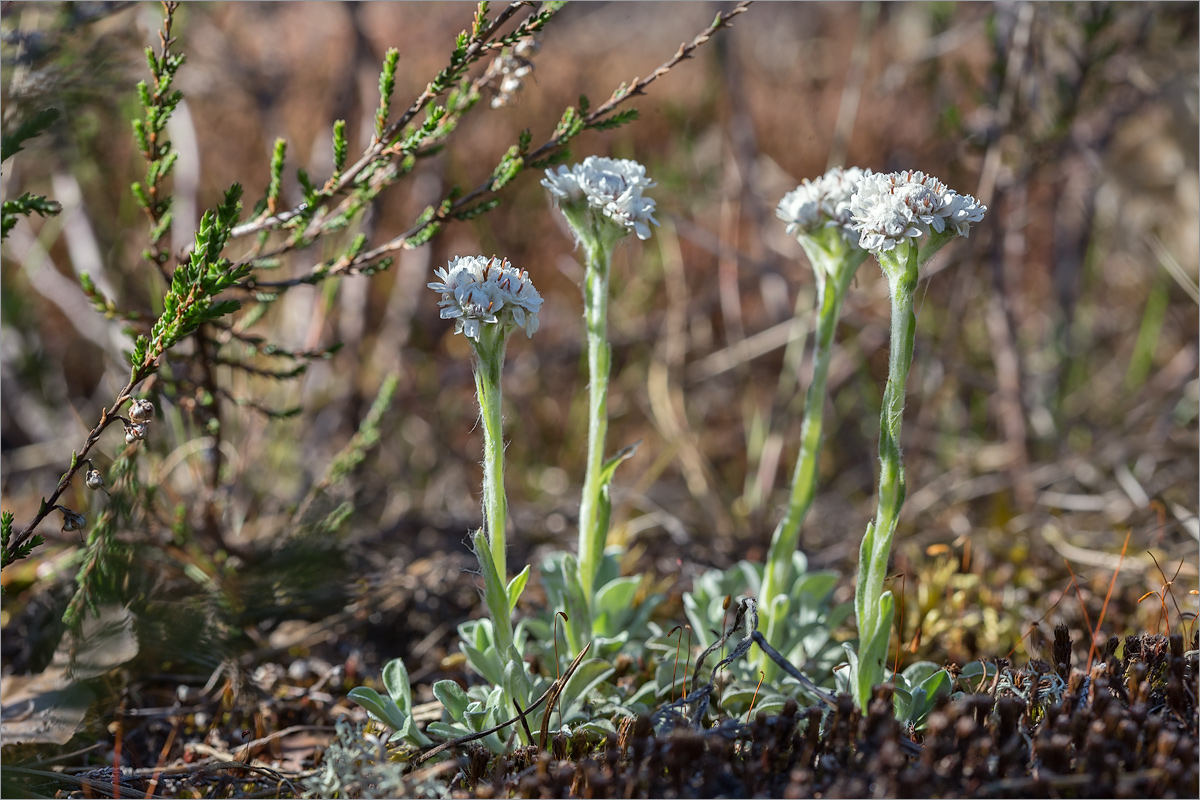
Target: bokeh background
(1052, 407)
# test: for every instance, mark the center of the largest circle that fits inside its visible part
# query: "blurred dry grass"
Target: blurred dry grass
(1053, 400)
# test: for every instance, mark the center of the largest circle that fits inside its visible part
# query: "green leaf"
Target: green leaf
(278, 158)
(580, 624)
(873, 653)
(587, 676)
(647, 694)
(610, 466)
(452, 697)
(815, 586)
(486, 663)
(902, 699)
(494, 595)
(11, 144)
(614, 120)
(410, 733)
(920, 671)
(447, 731)
(608, 571)
(515, 587)
(613, 604)
(340, 146)
(925, 696)
(387, 83)
(516, 686)
(395, 679)
(600, 728)
(384, 709)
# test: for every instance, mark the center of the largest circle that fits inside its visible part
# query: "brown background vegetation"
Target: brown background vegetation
(1052, 404)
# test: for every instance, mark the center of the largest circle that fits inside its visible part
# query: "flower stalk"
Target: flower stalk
(602, 201)
(488, 299)
(593, 535)
(903, 218)
(489, 363)
(818, 212)
(872, 606)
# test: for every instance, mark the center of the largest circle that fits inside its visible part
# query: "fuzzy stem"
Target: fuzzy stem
(834, 275)
(595, 312)
(902, 273)
(489, 363)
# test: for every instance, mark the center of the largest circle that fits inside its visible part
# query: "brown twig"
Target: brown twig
(552, 694)
(761, 676)
(1104, 608)
(162, 757)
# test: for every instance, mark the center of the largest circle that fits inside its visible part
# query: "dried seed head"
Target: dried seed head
(527, 47)
(94, 479)
(72, 520)
(135, 432)
(141, 411)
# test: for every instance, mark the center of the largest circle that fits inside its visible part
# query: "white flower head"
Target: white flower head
(823, 203)
(609, 186)
(905, 206)
(477, 291)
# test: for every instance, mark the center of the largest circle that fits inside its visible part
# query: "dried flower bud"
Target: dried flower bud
(141, 411)
(135, 432)
(510, 85)
(95, 480)
(527, 47)
(72, 520)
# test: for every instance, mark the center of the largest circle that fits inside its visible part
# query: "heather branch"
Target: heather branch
(149, 133)
(448, 209)
(478, 46)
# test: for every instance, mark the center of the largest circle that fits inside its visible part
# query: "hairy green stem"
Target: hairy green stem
(489, 363)
(871, 610)
(833, 277)
(595, 311)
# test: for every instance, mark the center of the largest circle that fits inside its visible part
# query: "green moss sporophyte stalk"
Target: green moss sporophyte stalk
(818, 214)
(603, 202)
(902, 218)
(488, 299)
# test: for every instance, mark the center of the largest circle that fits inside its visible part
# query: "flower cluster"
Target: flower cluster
(141, 414)
(823, 203)
(889, 209)
(477, 290)
(611, 186)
